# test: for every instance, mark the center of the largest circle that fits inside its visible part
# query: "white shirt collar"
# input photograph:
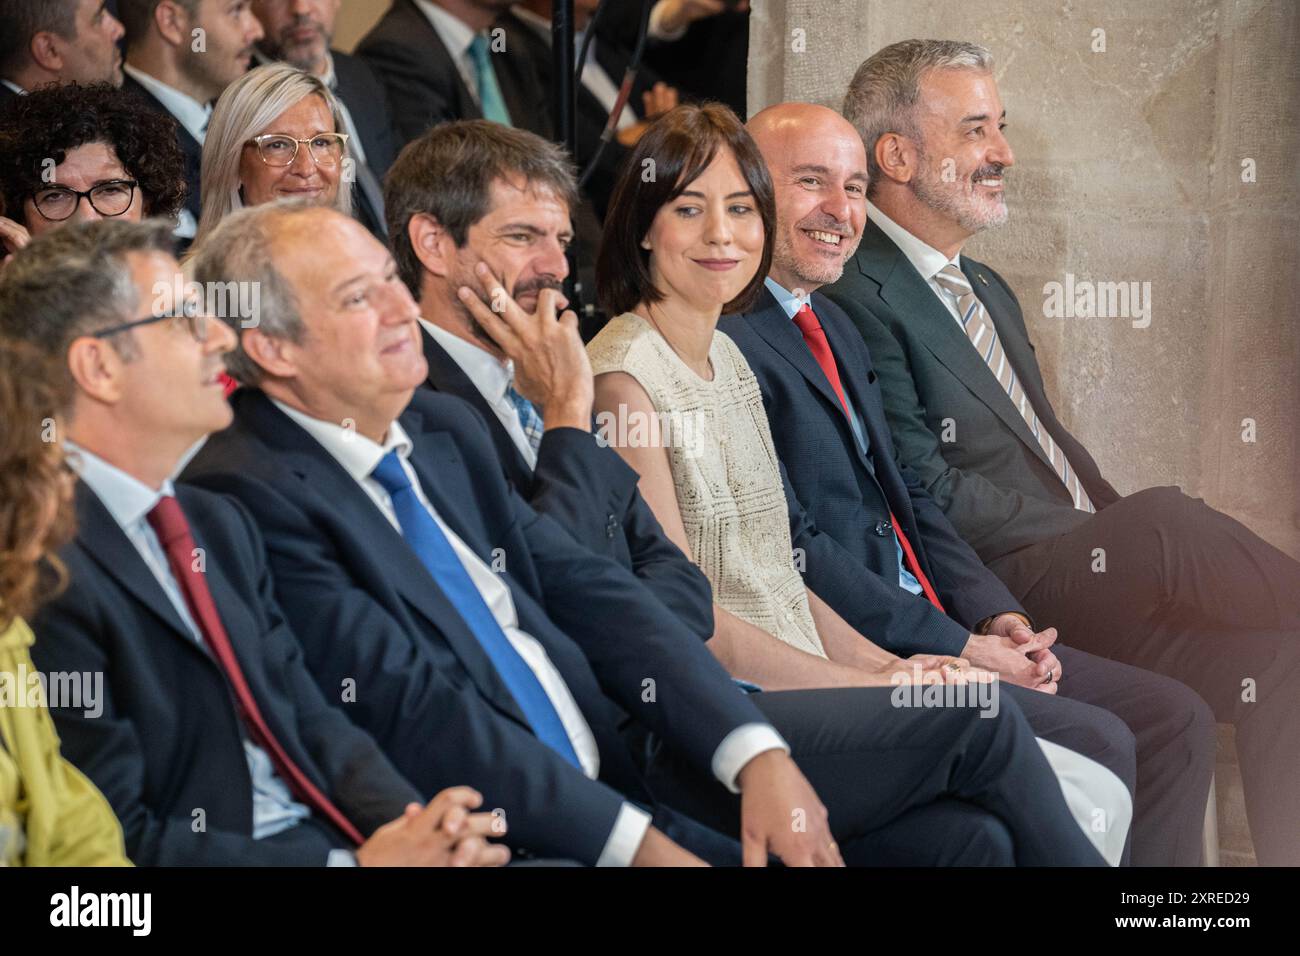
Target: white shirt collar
(925, 258)
(14, 86)
(127, 499)
(456, 34)
(188, 111)
(358, 455)
(788, 300)
(489, 375)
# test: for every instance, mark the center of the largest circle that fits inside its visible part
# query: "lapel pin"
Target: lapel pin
(981, 278)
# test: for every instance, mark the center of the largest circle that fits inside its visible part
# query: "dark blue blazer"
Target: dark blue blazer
(169, 742)
(592, 493)
(841, 499)
(191, 148)
(368, 612)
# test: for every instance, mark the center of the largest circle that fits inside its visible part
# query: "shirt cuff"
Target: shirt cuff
(341, 858)
(740, 747)
(625, 837)
(655, 30)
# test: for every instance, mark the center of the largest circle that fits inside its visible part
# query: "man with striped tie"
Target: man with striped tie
(1155, 579)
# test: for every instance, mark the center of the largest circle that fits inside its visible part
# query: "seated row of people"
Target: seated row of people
(369, 532)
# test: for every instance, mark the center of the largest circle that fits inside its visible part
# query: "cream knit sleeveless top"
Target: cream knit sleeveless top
(724, 470)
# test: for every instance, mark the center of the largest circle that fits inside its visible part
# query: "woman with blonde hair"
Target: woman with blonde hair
(50, 813)
(275, 134)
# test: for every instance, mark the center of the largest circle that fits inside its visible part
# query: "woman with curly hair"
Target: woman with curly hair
(75, 153)
(50, 814)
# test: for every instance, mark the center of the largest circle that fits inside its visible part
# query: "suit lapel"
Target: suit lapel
(105, 541)
(779, 331)
(324, 476)
(912, 299)
(445, 375)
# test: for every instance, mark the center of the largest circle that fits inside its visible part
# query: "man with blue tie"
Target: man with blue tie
(210, 739)
(474, 192)
(474, 636)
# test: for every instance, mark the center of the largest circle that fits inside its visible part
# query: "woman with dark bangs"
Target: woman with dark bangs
(50, 814)
(76, 153)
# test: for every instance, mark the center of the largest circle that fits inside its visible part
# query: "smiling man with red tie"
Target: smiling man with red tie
(214, 745)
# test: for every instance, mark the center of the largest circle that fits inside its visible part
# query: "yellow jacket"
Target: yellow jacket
(50, 813)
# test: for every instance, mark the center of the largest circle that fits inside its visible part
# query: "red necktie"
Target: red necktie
(168, 522)
(815, 336)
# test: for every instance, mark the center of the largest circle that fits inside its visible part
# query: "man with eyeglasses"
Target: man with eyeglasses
(213, 745)
(116, 159)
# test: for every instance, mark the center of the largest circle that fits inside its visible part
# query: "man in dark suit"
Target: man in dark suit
(299, 32)
(1155, 579)
(440, 65)
(57, 41)
(209, 737)
(175, 74)
(878, 549)
(452, 182)
(464, 600)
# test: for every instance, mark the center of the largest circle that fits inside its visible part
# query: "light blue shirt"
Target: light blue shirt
(792, 303)
(129, 501)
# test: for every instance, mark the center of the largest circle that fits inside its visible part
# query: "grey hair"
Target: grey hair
(243, 111)
(239, 250)
(883, 93)
(74, 281)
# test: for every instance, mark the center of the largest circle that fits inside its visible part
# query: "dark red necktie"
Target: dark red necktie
(815, 336)
(173, 530)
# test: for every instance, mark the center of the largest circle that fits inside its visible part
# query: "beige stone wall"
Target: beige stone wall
(355, 18)
(1129, 167)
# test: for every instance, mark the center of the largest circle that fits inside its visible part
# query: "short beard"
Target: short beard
(470, 282)
(956, 200)
(814, 275)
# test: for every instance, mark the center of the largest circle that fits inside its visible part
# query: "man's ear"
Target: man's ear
(46, 51)
(432, 244)
(897, 157)
(97, 369)
(275, 357)
(173, 22)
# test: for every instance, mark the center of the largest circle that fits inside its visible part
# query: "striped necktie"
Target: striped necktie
(529, 420)
(984, 337)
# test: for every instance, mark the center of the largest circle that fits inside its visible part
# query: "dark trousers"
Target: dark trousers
(1192, 594)
(952, 784)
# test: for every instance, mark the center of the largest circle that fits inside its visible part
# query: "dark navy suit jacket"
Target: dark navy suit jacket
(593, 494)
(841, 499)
(367, 611)
(169, 743)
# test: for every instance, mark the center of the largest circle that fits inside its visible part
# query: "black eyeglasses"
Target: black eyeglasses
(196, 322)
(278, 149)
(110, 198)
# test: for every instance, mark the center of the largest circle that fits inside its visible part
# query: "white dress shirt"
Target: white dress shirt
(187, 111)
(129, 501)
(456, 35)
(492, 378)
(359, 457)
(926, 259)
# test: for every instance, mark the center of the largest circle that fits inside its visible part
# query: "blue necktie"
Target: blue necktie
(439, 557)
(490, 99)
(529, 420)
